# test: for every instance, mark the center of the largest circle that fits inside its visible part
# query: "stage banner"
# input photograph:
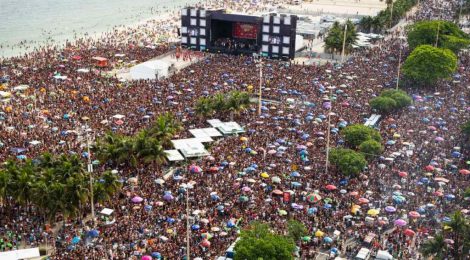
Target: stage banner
(245, 30)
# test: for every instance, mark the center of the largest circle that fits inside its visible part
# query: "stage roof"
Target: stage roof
(173, 155)
(235, 17)
(203, 132)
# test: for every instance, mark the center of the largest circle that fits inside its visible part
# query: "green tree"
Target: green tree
(427, 64)
(435, 247)
(466, 129)
(425, 33)
(370, 148)
(356, 134)
(148, 148)
(348, 161)
(296, 229)
(383, 105)
(259, 242)
(204, 107)
(334, 38)
(115, 148)
(164, 128)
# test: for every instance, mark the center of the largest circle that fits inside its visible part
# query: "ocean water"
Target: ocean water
(37, 22)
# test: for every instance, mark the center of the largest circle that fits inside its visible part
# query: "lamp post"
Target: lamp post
(344, 41)
(260, 64)
(188, 250)
(328, 137)
(90, 172)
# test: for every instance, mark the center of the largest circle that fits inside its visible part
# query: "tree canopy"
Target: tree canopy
(356, 134)
(233, 102)
(258, 241)
(390, 100)
(425, 32)
(370, 148)
(334, 38)
(349, 162)
(427, 64)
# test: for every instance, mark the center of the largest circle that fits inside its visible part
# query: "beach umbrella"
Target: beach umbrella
(276, 179)
(76, 240)
(438, 193)
(403, 174)
(414, 214)
(363, 200)
(159, 181)
(246, 189)
(296, 184)
(450, 196)
(400, 223)
(313, 198)
(328, 240)
(195, 169)
(295, 174)
(409, 232)
(137, 199)
(21, 157)
(306, 238)
(264, 175)
(440, 179)
(243, 198)
(296, 206)
(278, 192)
(464, 172)
(390, 209)
(327, 206)
(168, 197)
(438, 139)
(93, 233)
(312, 211)
(330, 187)
(319, 233)
(195, 227)
(282, 212)
(373, 212)
(243, 139)
(156, 255)
(398, 199)
(146, 257)
(429, 168)
(354, 193)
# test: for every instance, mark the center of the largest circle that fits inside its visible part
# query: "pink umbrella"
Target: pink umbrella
(438, 193)
(414, 214)
(440, 179)
(400, 222)
(246, 189)
(354, 193)
(119, 122)
(363, 200)
(205, 243)
(438, 139)
(330, 187)
(403, 174)
(146, 257)
(195, 169)
(137, 199)
(464, 172)
(272, 152)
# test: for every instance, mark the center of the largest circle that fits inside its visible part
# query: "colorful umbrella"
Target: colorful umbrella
(313, 198)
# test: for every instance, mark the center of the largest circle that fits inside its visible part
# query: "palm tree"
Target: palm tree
(114, 148)
(436, 247)
(366, 23)
(204, 107)
(458, 230)
(164, 128)
(219, 102)
(5, 179)
(106, 187)
(148, 148)
(237, 101)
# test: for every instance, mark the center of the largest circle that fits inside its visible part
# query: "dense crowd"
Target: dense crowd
(241, 180)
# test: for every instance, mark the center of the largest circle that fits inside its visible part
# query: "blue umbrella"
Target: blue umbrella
(295, 174)
(148, 207)
(327, 240)
(21, 157)
(195, 227)
(305, 136)
(248, 150)
(398, 199)
(76, 240)
(312, 211)
(446, 219)
(450, 196)
(327, 206)
(156, 255)
(93, 233)
(296, 184)
(250, 169)
(230, 224)
(170, 220)
(254, 165)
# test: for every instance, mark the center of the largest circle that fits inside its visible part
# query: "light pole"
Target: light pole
(391, 15)
(344, 41)
(188, 251)
(328, 137)
(399, 63)
(90, 172)
(260, 84)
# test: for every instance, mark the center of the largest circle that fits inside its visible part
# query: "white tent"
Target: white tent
(150, 69)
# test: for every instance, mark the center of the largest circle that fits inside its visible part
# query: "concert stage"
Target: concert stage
(216, 31)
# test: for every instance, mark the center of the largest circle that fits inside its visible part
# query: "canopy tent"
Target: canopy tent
(107, 211)
(20, 254)
(203, 132)
(173, 155)
(373, 120)
(228, 128)
(191, 147)
(150, 70)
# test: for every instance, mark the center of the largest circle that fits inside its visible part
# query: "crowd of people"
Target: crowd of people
(244, 179)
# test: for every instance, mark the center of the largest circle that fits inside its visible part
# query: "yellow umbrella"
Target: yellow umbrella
(319, 233)
(169, 231)
(427, 174)
(396, 135)
(355, 208)
(265, 175)
(373, 212)
(243, 139)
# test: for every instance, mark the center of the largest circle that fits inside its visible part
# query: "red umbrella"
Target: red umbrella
(403, 174)
(76, 57)
(438, 193)
(330, 187)
(429, 168)
(205, 243)
(414, 214)
(464, 172)
(409, 232)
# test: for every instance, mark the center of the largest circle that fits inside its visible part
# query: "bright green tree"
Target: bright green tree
(371, 148)
(425, 32)
(383, 105)
(356, 134)
(348, 161)
(427, 64)
(296, 229)
(259, 242)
